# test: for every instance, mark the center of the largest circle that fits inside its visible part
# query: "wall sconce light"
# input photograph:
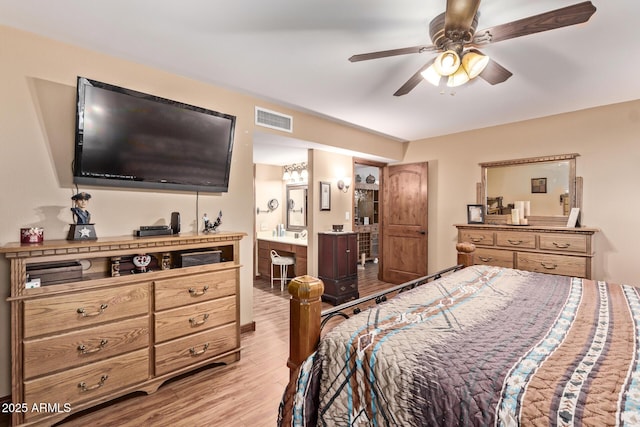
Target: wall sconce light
(344, 184)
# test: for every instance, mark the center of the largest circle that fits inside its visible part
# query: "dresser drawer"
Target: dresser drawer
(194, 288)
(186, 320)
(72, 349)
(495, 257)
(516, 240)
(563, 242)
(478, 237)
(88, 382)
(71, 311)
(554, 264)
(194, 348)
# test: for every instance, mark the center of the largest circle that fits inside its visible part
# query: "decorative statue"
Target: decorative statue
(80, 212)
(212, 226)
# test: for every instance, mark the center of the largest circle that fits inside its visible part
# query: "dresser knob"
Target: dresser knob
(194, 322)
(195, 293)
(101, 310)
(196, 353)
(83, 386)
(83, 349)
(549, 266)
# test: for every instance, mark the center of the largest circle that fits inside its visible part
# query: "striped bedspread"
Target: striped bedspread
(485, 346)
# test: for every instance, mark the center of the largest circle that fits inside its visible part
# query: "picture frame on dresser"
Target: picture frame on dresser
(475, 214)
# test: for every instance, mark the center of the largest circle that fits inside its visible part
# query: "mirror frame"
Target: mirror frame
(575, 189)
(304, 187)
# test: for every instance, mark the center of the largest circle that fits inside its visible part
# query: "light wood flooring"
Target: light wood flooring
(243, 394)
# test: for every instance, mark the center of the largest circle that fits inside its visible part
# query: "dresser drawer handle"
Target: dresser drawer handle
(476, 239)
(103, 307)
(487, 259)
(195, 322)
(561, 245)
(83, 386)
(549, 266)
(196, 353)
(342, 288)
(514, 242)
(83, 349)
(195, 293)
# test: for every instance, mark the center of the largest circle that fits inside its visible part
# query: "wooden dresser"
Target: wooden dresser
(545, 249)
(338, 266)
(98, 328)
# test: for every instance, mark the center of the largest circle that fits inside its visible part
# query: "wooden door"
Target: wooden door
(404, 234)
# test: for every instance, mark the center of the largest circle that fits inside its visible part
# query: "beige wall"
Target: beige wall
(37, 87)
(606, 139)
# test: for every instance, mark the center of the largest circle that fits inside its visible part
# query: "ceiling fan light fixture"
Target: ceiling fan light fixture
(474, 63)
(431, 75)
(447, 63)
(458, 78)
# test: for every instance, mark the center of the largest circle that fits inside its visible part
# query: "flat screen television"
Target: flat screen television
(126, 138)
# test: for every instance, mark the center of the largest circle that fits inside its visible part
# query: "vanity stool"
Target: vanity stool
(283, 262)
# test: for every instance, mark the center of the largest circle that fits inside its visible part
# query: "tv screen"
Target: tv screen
(126, 138)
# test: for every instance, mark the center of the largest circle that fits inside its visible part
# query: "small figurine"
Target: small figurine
(83, 229)
(80, 212)
(209, 226)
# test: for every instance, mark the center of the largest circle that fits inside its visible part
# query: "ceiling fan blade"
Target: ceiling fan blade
(495, 73)
(413, 81)
(459, 17)
(563, 17)
(392, 52)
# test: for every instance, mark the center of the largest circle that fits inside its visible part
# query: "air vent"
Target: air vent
(273, 120)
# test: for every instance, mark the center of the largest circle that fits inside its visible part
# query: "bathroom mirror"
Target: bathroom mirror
(548, 183)
(296, 206)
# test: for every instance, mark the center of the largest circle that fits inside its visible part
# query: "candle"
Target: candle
(527, 208)
(515, 216)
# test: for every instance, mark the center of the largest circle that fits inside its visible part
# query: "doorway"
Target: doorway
(367, 208)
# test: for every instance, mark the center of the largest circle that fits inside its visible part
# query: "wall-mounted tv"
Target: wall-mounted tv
(126, 138)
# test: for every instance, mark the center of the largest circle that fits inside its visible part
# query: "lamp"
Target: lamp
(458, 78)
(286, 176)
(295, 172)
(474, 63)
(447, 63)
(344, 184)
(459, 71)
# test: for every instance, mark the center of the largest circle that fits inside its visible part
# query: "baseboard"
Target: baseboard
(251, 327)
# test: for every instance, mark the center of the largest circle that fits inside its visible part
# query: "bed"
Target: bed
(482, 346)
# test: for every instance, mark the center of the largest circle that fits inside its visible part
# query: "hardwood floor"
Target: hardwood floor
(243, 394)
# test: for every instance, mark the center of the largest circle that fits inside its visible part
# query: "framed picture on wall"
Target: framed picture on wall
(538, 185)
(325, 196)
(475, 214)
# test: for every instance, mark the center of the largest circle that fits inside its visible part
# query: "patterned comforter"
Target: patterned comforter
(481, 347)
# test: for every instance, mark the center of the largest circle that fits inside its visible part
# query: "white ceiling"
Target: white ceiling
(295, 52)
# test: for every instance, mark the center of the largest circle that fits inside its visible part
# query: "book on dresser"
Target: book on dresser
(96, 328)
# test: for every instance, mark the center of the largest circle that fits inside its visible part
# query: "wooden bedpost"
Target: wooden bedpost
(465, 253)
(304, 321)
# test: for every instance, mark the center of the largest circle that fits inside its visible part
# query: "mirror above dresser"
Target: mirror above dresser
(549, 187)
(548, 183)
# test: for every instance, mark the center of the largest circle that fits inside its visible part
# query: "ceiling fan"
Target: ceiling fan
(453, 34)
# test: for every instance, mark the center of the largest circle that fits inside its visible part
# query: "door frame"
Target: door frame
(379, 165)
